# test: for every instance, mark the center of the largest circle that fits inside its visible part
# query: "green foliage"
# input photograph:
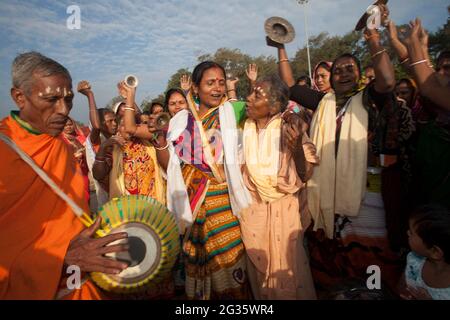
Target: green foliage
(322, 47)
(174, 81)
(440, 40)
(235, 63)
(147, 102)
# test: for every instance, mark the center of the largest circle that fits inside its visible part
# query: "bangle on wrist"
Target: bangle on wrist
(128, 108)
(378, 53)
(404, 60)
(283, 60)
(163, 148)
(418, 62)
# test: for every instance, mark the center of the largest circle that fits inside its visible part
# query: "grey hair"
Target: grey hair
(27, 64)
(279, 91)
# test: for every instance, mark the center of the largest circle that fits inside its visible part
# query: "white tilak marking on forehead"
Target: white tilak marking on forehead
(58, 89)
(65, 92)
(47, 90)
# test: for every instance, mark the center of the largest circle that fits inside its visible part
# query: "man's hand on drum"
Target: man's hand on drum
(88, 253)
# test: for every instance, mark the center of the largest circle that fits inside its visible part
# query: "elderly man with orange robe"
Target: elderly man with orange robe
(40, 236)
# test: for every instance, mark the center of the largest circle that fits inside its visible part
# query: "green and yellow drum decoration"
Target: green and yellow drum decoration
(153, 241)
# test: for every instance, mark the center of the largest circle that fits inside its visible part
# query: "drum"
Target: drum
(152, 237)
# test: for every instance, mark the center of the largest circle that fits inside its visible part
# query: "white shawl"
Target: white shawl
(177, 197)
(338, 185)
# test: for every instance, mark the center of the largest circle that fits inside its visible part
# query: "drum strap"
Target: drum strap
(84, 217)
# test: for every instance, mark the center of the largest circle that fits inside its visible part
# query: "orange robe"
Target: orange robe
(36, 225)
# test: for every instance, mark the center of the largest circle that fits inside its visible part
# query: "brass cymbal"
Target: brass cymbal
(363, 20)
(279, 30)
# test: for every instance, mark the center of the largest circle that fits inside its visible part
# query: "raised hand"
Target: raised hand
(125, 91)
(84, 87)
(272, 43)
(252, 72)
(414, 34)
(87, 252)
(423, 37)
(372, 35)
(185, 82)
(384, 14)
(392, 31)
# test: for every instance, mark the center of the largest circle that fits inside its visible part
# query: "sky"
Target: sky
(152, 39)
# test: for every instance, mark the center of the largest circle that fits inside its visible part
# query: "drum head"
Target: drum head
(142, 257)
(153, 242)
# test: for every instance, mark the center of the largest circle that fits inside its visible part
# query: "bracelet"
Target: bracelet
(378, 53)
(231, 90)
(97, 160)
(232, 99)
(128, 108)
(283, 60)
(405, 60)
(163, 148)
(418, 62)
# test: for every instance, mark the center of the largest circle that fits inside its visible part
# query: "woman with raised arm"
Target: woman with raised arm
(102, 125)
(431, 158)
(355, 131)
(205, 187)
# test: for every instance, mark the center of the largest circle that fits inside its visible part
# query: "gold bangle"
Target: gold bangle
(418, 62)
(405, 60)
(163, 148)
(283, 60)
(128, 108)
(378, 53)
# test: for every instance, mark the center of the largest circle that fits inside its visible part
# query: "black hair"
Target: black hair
(432, 225)
(324, 65)
(102, 113)
(156, 103)
(369, 66)
(345, 55)
(443, 55)
(200, 69)
(169, 94)
(304, 78)
(407, 81)
(279, 91)
(146, 113)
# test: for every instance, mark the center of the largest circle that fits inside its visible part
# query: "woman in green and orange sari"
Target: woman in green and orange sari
(205, 189)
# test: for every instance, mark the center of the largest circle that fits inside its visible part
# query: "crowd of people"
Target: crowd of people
(290, 194)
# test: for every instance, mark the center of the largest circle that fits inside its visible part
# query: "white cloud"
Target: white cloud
(153, 39)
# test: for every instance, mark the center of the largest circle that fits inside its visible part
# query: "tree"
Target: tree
(235, 63)
(440, 40)
(148, 101)
(174, 81)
